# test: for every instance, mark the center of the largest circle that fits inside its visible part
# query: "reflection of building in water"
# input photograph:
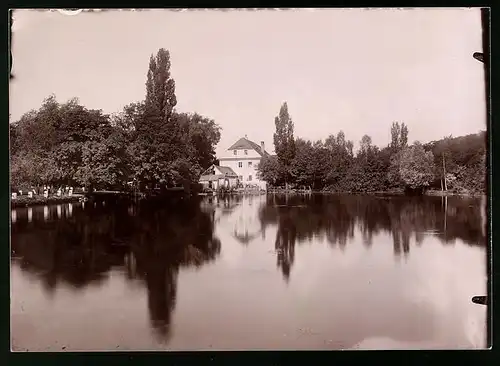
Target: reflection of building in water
(13, 216)
(30, 214)
(59, 211)
(244, 219)
(46, 212)
(70, 209)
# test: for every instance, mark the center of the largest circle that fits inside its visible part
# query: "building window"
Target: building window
(249, 178)
(241, 177)
(240, 165)
(249, 163)
(246, 152)
(234, 152)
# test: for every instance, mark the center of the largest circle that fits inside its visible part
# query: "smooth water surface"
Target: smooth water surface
(261, 272)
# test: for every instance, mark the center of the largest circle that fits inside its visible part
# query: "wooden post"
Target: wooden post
(444, 175)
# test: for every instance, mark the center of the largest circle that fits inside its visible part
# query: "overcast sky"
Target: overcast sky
(351, 70)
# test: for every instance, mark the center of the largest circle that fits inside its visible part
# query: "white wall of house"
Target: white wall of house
(245, 165)
(244, 220)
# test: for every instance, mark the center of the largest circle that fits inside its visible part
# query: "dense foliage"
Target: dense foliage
(148, 143)
(333, 166)
(284, 143)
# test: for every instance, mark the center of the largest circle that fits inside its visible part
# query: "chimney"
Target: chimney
(246, 136)
(262, 147)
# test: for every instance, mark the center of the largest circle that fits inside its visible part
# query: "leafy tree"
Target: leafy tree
(365, 146)
(160, 86)
(24, 170)
(399, 136)
(284, 143)
(395, 136)
(416, 167)
(403, 140)
(340, 157)
(159, 147)
(104, 162)
(302, 167)
(202, 135)
(147, 141)
(269, 170)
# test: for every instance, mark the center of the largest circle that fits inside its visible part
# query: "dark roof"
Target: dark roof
(210, 177)
(227, 171)
(244, 143)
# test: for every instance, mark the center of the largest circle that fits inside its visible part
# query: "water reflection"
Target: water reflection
(81, 249)
(336, 217)
(149, 246)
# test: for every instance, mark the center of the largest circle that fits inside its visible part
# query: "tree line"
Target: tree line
(148, 143)
(338, 219)
(456, 164)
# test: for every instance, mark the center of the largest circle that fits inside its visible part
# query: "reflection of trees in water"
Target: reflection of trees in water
(149, 244)
(75, 250)
(164, 241)
(301, 218)
(285, 243)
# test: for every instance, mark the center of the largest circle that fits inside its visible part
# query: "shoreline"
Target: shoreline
(432, 193)
(25, 201)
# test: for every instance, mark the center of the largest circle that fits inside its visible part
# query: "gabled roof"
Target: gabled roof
(225, 170)
(244, 143)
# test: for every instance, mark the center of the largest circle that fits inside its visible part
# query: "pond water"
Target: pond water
(250, 273)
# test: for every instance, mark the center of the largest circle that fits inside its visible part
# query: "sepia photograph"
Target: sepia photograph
(249, 179)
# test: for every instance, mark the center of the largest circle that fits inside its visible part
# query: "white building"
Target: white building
(216, 177)
(243, 157)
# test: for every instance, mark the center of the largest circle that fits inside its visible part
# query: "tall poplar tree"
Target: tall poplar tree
(284, 143)
(159, 143)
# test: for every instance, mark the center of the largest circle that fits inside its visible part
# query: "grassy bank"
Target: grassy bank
(36, 200)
